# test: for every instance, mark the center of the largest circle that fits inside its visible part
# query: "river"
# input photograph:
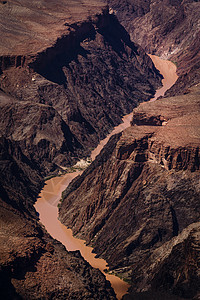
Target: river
(50, 195)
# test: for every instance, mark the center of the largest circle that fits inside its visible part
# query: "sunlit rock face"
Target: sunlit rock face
(138, 202)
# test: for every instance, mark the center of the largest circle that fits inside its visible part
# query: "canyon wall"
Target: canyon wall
(67, 75)
(137, 204)
(79, 86)
(68, 72)
(169, 29)
(32, 264)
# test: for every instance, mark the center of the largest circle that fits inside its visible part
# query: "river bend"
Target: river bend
(50, 195)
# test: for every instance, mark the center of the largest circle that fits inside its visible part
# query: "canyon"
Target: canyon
(49, 198)
(141, 193)
(80, 85)
(68, 74)
(58, 99)
(138, 203)
(169, 29)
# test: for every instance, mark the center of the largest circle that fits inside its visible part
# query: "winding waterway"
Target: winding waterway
(50, 195)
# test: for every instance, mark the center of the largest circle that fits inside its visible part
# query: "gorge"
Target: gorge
(50, 196)
(69, 72)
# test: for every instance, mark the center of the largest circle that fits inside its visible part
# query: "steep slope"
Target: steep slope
(91, 74)
(140, 193)
(40, 131)
(167, 28)
(30, 27)
(53, 113)
(32, 264)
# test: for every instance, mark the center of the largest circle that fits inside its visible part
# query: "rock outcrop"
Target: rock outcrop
(68, 72)
(140, 197)
(40, 131)
(32, 264)
(87, 72)
(67, 75)
(166, 28)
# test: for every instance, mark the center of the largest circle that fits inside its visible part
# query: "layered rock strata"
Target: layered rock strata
(32, 264)
(166, 28)
(140, 197)
(79, 81)
(67, 75)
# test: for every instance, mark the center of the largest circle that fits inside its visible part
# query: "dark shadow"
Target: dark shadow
(175, 222)
(53, 70)
(7, 290)
(117, 37)
(50, 63)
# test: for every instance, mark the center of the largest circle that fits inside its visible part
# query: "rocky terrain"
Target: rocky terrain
(138, 203)
(169, 29)
(79, 81)
(40, 131)
(68, 73)
(32, 264)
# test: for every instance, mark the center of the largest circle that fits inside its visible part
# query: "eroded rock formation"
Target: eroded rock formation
(32, 264)
(140, 197)
(40, 131)
(67, 75)
(79, 81)
(167, 28)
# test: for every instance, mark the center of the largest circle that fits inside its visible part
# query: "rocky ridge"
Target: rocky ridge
(88, 77)
(52, 115)
(40, 131)
(139, 196)
(33, 87)
(169, 29)
(32, 264)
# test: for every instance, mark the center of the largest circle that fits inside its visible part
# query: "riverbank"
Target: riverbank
(49, 197)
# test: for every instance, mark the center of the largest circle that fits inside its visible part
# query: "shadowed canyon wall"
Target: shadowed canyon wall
(68, 73)
(64, 84)
(74, 92)
(138, 202)
(169, 29)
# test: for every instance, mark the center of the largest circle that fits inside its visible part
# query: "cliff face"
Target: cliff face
(31, 27)
(161, 27)
(68, 72)
(141, 193)
(91, 76)
(167, 28)
(79, 86)
(40, 131)
(32, 264)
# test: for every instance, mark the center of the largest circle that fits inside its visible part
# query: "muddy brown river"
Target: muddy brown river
(50, 195)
